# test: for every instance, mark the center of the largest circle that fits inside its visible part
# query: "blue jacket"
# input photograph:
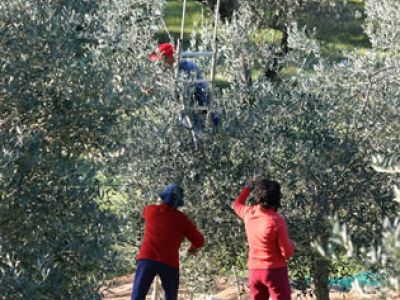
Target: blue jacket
(200, 92)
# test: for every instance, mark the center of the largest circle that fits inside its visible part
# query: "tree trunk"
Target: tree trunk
(320, 274)
(272, 72)
(226, 9)
(321, 268)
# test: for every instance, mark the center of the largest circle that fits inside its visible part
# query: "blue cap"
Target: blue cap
(172, 195)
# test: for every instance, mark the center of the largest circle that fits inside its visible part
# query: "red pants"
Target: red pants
(265, 283)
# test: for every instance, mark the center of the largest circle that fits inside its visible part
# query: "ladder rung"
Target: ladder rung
(196, 54)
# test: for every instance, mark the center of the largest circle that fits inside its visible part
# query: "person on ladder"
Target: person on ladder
(165, 229)
(165, 52)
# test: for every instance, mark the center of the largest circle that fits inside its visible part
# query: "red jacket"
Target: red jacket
(267, 234)
(165, 229)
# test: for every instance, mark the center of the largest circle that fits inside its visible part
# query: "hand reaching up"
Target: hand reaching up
(251, 183)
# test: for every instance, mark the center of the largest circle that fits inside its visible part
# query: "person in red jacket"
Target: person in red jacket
(268, 239)
(165, 229)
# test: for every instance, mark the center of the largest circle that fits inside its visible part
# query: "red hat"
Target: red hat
(164, 50)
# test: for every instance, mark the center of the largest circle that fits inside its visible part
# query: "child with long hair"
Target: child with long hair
(268, 239)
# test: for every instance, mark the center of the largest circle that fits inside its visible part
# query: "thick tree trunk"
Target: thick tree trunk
(320, 267)
(320, 274)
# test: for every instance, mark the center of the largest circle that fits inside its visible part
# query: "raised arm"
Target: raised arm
(240, 203)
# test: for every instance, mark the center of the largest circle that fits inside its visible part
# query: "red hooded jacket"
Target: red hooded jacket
(165, 230)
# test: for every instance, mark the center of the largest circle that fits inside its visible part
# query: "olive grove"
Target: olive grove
(316, 132)
(85, 146)
(274, 15)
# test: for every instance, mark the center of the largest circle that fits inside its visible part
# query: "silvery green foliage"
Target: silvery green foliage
(383, 24)
(69, 76)
(383, 256)
(386, 164)
(240, 33)
(277, 14)
(315, 133)
(79, 97)
(362, 101)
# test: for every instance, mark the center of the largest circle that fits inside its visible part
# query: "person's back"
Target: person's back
(191, 70)
(200, 88)
(165, 229)
(267, 246)
(269, 243)
(197, 89)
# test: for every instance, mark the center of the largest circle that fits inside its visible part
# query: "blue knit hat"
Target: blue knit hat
(172, 195)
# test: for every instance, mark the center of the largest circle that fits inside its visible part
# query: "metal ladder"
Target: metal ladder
(188, 54)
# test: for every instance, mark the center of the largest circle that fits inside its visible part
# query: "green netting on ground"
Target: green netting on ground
(363, 278)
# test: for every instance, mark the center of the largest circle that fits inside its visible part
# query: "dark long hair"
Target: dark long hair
(268, 193)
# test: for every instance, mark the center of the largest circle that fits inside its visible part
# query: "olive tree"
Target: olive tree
(68, 71)
(380, 256)
(278, 15)
(85, 115)
(315, 133)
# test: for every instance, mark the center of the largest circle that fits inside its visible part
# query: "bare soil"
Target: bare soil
(120, 289)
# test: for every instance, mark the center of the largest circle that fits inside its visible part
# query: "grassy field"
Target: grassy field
(340, 31)
(337, 30)
(195, 12)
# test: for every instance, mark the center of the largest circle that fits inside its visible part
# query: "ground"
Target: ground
(121, 287)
